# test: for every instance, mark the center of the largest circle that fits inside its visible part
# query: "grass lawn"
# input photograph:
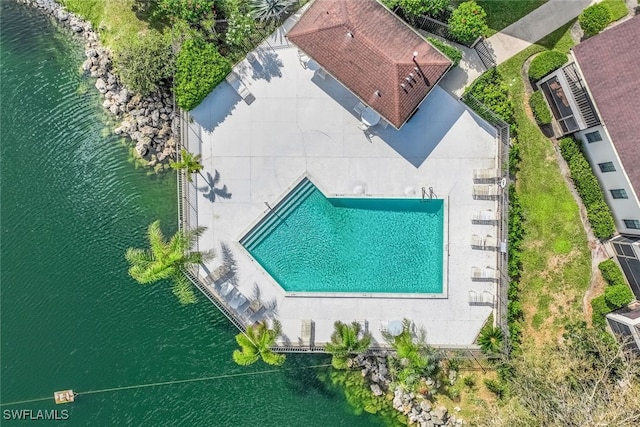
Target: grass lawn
(502, 13)
(115, 21)
(556, 260)
(617, 8)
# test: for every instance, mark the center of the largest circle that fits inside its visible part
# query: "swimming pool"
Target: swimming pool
(310, 243)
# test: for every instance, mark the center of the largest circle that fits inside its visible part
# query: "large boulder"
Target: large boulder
(101, 86)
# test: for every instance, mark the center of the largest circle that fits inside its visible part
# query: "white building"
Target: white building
(596, 97)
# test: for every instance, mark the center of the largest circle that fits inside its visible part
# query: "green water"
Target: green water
(70, 316)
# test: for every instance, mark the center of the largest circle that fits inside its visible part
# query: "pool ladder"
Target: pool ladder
(431, 194)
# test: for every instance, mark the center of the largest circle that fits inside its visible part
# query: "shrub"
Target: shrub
(468, 22)
(601, 220)
(594, 19)
(492, 91)
(618, 296)
(599, 309)
(545, 63)
(421, 7)
(611, 273)
(453, 53)
(539, 108)
(617, 9)
(199, 69)
(469, 381)
(187, 10)
(146, 63)
(496, 387)
(588, 188)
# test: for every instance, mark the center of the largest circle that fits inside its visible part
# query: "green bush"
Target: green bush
(199, 69)
(453, 53)
(618, 296)
(545, 63)
(588, 188)
(496, 387)
(468, 22)
(617, 9)
(422, 7)
(594, 19)
(187, 10)
(599, 309)
(611, 273)
(539, 108)
(492, 91)
(146, 63)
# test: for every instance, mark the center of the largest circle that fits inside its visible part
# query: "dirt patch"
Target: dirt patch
(556, 262)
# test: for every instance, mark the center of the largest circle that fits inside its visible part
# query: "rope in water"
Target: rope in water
(129, 387)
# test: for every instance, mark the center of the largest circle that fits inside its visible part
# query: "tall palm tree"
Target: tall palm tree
(256, 344)
(346, 340)
(265, 10)
(189, 163)
(166, 259)
(490, 340)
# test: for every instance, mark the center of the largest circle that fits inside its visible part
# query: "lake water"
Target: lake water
(71, 204)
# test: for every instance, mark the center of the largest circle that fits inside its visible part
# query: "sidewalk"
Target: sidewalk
(514, 39)
(531, 28)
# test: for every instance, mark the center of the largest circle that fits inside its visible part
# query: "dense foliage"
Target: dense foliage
(146, 63)
(539, 108)
(188, 10)
(347, 340)
(594, 19)
(199, 69)
(545, 63)
(611, 273)
(588, 188)
(492, 91)
(422, 7)
(617, 9)
(468, 22)
(490, 339)
(453, 53)
(616, 295)
(188, 162)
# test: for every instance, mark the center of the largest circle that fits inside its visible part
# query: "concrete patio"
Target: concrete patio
(297, 122)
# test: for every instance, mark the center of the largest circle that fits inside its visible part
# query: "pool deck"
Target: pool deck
(302, 124)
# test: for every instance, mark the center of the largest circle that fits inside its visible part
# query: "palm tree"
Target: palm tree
(166, 259)
(256, 344)
(490, 340)
(188, 162)
(347, 340)
(265, 10)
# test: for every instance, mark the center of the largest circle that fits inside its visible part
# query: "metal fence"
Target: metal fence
(504, 138)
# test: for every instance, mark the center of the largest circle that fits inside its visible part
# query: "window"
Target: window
(593, 137)
(632, 223)
(607, 167)
(619, 193)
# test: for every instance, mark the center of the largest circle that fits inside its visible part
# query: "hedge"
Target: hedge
(453, 53)
(597, 17)
(492, 91)
(546, 63)
(611, 273)
(468, 21)
(199, 69)
(588, 188)
(599, 309)
(539, 108)
(618, 296)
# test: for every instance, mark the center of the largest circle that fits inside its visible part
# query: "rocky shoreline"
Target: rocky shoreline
(418, 408)
(150, 121)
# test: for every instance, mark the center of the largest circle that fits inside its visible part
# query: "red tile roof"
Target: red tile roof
(367, 48)
(610, 64)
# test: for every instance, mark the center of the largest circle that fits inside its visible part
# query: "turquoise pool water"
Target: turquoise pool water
(309, 243)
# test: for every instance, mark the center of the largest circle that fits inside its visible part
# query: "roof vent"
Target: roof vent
(350, 34)
(377, 93)
(415, 54)
(404, 87)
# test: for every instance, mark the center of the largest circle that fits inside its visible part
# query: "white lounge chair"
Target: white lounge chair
(486, 273)
(485, 191)
(490, 242)
(488, 215)
(238, 86)
(485, 174)
(306, 332)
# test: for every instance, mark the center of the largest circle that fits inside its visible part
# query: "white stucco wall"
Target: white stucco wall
(604, 151)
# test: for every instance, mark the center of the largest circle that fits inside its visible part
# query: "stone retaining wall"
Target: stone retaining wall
(150, 121)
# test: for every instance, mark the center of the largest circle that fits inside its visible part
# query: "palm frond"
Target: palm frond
(157, 243)
(272, 358)
(244, 359)
(183, 290)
